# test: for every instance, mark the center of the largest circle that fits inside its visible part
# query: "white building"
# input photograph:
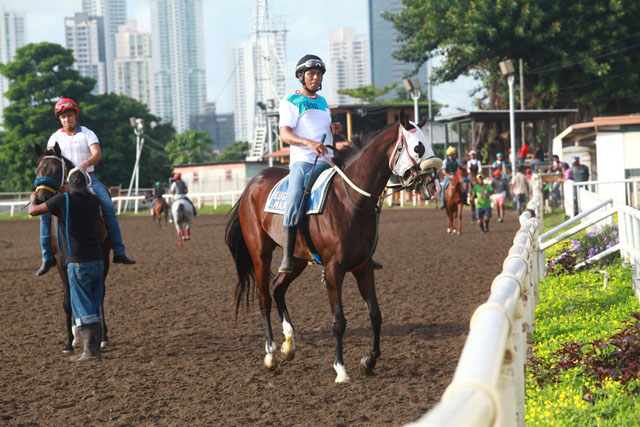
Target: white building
(256, 69)
(84, 35)
(348, 64)
(178, 60)
(133, 68)
(13, 35)
(114, 14)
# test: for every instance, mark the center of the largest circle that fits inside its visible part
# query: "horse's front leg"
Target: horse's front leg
(281, 283)
(366, 286)
(263, 272)
(334, 291)
(460, 218)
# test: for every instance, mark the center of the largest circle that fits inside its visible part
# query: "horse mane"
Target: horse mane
(358, 143)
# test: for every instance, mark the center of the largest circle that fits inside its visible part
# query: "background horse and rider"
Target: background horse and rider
(51, 174)
(344, 235)
(454, 201)
(183, 215)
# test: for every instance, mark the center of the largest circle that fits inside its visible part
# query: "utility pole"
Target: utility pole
(429, 98)
(521, 98)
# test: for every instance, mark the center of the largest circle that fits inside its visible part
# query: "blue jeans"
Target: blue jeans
(87, 289)
(299, 175)
(108, 211)
(445, 183)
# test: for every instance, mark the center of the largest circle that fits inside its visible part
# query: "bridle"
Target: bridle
(46, 182)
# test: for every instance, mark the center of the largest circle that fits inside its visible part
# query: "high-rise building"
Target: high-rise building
(84, 35)
(13, 35)
(133, 68)
(114, 14)
(348, 65)
(256, 69)
(218, 126)
(384, 68)
(178, 60)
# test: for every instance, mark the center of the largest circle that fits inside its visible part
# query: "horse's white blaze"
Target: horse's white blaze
(342, 376)
(270, 360)
(289, 345)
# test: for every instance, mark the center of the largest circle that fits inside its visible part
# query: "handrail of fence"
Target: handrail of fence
(488, 387)
(623, 192)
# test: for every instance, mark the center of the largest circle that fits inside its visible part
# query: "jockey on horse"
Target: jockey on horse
(179, 190)
(449, 170)
(305, 124)
(80, 145)
(158, 192)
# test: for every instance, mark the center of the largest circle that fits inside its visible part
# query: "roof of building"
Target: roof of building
(582, 130)
(503, 115)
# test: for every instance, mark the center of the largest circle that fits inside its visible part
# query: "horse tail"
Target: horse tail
(244, 264)
(180, 213)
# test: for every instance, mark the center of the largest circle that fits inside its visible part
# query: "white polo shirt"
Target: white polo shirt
(75, 147)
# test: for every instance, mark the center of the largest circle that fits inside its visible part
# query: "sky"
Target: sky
(308, 22)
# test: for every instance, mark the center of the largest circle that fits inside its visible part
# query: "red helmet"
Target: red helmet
(177, 175)
(66, 104)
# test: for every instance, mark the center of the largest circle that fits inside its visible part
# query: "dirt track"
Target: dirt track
(178, 357)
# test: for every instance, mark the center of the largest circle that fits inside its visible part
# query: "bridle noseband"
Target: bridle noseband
(46, 182)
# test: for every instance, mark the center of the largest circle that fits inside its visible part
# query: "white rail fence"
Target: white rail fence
(488, 387)
(584, 195)
(199, 199)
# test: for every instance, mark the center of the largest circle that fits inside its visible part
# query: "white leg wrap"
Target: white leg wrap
(270, 360)
(342, 376)
(289, 345)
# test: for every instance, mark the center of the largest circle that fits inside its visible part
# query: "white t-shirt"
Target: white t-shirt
(308, 118)
(74, 147)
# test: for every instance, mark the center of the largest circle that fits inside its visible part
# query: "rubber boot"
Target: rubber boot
(90, 335)
(376, 264)
(46, 266)
(288, 246)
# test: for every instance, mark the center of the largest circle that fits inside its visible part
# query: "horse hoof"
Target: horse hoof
(342, 376)
(288, 349)
(367, 364)
(449, 230)
(105, 344)
(67, 351)
(271, 361)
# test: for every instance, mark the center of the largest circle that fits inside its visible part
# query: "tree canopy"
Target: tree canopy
(367, 93)
(38, 76)
(581, 54)
(192, 146)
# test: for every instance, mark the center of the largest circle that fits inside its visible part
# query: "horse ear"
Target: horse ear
(37, 149)
(56, 148)
(402, 118)
(422, 122)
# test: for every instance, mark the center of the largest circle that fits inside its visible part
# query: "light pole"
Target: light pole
(507, 69)
(138, 129)
(414, 90)
(429, 98)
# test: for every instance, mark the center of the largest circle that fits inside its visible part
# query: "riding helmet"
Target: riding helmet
(451, 150)
(177, 175)
(66, 104)
(158, 184)
(309, 62)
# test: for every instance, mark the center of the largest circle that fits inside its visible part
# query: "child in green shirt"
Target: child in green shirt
(482, 192)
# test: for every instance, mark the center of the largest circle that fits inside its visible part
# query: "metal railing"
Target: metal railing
(623, 192)
(488, 386)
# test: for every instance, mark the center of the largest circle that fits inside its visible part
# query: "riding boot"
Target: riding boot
(288, 247)
(376, 264)
(90, 335)
(46, 266)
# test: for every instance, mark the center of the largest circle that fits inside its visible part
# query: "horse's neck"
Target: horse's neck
(370, 170)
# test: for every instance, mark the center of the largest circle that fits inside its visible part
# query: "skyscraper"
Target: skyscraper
(178, 60)
(114, 14)
(133, 69)
(84, 35)
(256, 67)
(12, 36)
(384, 68)
(348, 65)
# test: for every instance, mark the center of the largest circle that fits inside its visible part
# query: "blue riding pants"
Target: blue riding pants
(445, 183)
(86, 285)
(108, 211)
(299, 175)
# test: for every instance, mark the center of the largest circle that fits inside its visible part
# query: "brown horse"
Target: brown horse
(50, 179)
(158, 209)
(453, 198)
(344, 235)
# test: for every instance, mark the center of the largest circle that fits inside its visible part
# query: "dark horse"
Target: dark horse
(159, 208)
(50, 179)
(453, 199)
(344, 234)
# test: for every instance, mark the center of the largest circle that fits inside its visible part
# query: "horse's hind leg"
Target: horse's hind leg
(281, 284)
(262, 267)
(366, 286)
(334, 291)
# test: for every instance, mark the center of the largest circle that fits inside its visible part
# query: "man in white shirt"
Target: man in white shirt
(80, 145)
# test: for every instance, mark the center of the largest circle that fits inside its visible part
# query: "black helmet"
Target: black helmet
(309, 62)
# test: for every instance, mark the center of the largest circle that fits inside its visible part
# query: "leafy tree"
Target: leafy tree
(581, 54)
(236, 151)
(39, 74)
(367, 93)
(192, 146)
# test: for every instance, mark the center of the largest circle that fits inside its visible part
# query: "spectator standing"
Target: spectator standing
(538, 157)
(580, 171)
(524, 152)
(520, 189)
